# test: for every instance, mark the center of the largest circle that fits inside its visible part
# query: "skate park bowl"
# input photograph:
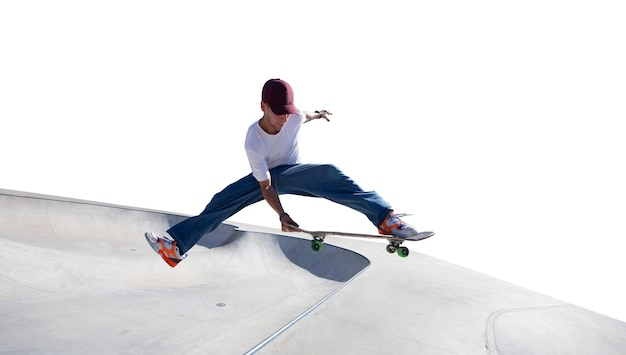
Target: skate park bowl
(78, 277)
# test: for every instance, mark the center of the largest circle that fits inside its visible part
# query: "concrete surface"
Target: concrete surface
(78, 277)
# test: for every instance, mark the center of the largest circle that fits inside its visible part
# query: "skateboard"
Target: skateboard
(394, 242)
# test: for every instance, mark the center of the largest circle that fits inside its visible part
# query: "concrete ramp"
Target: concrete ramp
(78, 277)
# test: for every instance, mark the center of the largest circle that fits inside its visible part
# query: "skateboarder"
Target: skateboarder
(272, 149)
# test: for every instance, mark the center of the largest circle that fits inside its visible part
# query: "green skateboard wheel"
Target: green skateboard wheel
(316, 245)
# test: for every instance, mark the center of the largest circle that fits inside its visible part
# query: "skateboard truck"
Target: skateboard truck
(394, 246)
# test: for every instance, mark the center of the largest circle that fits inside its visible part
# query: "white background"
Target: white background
(499, 125)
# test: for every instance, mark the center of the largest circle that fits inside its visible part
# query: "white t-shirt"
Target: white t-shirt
(266, 151)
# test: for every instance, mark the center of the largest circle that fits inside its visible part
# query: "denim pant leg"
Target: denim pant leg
(224, 204)
(328, 182)
(312, 180)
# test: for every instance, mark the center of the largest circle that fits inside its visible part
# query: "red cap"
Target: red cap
(279, 95)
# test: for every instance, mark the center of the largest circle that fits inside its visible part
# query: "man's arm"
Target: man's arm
(310, 116)
(271, 196)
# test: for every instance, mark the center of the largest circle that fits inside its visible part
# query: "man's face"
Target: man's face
(275, 122)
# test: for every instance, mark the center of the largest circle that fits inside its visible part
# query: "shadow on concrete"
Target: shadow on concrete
(335, 263)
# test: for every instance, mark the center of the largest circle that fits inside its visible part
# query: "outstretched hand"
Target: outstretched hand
(317, 115)
(324, 114)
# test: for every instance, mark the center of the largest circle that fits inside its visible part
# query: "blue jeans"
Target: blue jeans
(311, 180)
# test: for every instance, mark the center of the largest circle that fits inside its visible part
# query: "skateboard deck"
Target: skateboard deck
(393, 246)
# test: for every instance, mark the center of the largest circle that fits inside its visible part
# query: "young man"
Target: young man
(273, 152)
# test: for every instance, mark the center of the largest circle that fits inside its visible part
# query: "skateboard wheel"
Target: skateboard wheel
(316, 245)
(403, 252)
(391, 249)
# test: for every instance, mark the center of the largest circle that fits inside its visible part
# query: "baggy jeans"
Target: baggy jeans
(312, 180)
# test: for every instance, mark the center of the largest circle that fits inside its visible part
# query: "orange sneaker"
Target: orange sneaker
(165, 247)
(393, 225)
